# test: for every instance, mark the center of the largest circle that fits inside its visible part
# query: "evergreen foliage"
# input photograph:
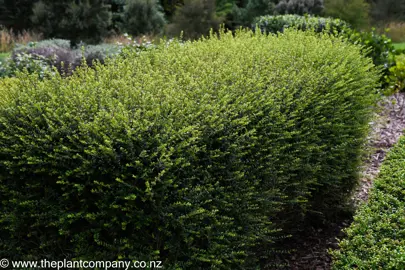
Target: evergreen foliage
(244, 16)
(143, 17)
(16, 14)
(376, 46)
(376, 238)
(388, 10)
(194, 153)
(195, 19)
(83, 20)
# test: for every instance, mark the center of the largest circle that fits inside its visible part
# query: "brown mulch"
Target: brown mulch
(310, 251)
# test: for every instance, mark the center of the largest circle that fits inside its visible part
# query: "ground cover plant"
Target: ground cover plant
(399, 46)
(376, 238)
(194, 153)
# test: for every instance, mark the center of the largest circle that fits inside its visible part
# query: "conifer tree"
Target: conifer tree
(76, 20)
(15, 14)
(143, 17)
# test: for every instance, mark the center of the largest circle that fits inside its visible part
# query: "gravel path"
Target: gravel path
(311, 249)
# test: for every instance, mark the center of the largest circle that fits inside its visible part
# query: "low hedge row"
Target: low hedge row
(378, 47)
(376, 238)
(196, 154)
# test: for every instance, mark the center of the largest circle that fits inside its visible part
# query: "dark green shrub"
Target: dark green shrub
(83, 20)
(244, 16)
(15, 14)
(376, 238)
(143, 17)
(380, 46)
(388, 10)
(195, 19)
(195, 153)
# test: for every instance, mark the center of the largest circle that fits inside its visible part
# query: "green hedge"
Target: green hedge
(378, 47)
(376, 238)
(195, 154)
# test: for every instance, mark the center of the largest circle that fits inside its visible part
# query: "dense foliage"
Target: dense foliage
(388, 10)
(84, 20)
(195, 154)
(275, 24)
(143, 17)
(396, 77)
(376, 46)
(16, 14)
(376, 238)
(195, 19)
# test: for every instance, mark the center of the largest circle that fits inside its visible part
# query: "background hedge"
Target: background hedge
(376, 238)
(194, 153)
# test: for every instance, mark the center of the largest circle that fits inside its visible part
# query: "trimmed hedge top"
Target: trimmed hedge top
(376, 46)
(376, 238)
(195, 154)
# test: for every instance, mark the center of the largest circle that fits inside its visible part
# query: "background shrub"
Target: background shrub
(195, 153)
(388, 10)
(43, 55)
(143, 17)
(355, 12)
(396, 76)
(195, 19)
(16, 14)
(376, 238)
(244, 16)
(31, 62)
(300, 7)
(72, 20)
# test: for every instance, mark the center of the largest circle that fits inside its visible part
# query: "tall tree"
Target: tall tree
(143, 17)
(388, 10)
(15, 14)
(195, 18)
(76, 20)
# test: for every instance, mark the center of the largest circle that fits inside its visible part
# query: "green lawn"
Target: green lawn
(399, 46)
(4, 56)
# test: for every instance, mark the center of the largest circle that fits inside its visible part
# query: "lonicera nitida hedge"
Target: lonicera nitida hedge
(196, 154)
(376, 238)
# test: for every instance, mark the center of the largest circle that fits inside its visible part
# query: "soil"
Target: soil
(310, 249)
